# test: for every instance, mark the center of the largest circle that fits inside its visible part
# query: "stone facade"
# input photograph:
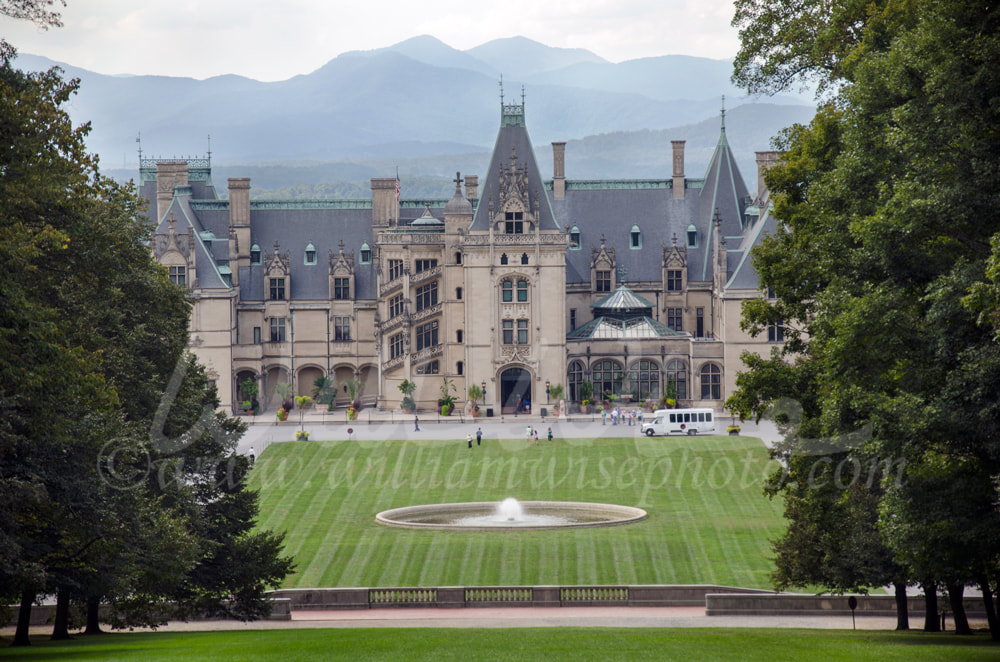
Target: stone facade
(515, 283)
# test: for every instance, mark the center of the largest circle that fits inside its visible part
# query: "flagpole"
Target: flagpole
(397, 196)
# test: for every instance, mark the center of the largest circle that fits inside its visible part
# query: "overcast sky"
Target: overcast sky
(277, 39)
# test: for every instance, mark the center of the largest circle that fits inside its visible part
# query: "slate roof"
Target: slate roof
(612, 328)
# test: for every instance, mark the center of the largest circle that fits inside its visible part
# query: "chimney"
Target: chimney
(559, 170)
(383, 201)
(471, 187)
(678, 183)
(239, 224)
(765, 160)
(169, 174)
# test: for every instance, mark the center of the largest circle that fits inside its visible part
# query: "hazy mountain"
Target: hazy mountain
(414, 100)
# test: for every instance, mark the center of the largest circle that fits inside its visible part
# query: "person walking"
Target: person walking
(604, 417)
(416, 424)
(253, 456)
(550, 434)
(469, 438)
(528, 433)
(479, 437)
(535, 435)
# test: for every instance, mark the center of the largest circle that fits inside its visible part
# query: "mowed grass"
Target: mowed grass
(550, 644)
(708, 523)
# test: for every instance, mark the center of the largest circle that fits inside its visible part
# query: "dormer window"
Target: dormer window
(366, 253)
(574, 238)
(310, 254)
(255, 254)
(692, 236)
(514, 222)
(178, 275)
(635, 237)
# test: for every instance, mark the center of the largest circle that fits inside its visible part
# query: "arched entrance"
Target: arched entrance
(515, 391)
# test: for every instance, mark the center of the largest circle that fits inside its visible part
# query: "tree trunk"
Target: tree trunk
(955, 594)
(991, 611)
(902, 607)
(24, 619)
(931, 616)
(93, 615)
(60, 630)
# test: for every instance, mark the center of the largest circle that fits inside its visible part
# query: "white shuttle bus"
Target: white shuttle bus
(680, 421)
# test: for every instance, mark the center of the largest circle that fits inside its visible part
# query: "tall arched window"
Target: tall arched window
(635, 237)
(507, 291)
(607, 377)
(677, 377)
(573, 378)
(503, 259)
(644, 379)
(711, 382)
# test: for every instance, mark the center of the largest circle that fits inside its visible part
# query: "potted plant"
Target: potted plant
(353, 388)
(586, 394)
(249, 389)
(475, 394)
(406, 387)
(324, 391)
(352, 413)
(284, 389)
(303, 401)
(248, 407)
(733, 430)
(282, 414)
(301, 435)
(556, 394)
(447, 401)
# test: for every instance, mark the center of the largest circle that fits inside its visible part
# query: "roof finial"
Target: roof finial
(138, 139)
(501, 90)
(723, 113)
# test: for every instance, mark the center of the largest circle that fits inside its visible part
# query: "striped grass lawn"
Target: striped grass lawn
(708, 523)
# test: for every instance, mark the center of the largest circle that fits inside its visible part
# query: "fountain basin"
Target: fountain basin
(488, 516)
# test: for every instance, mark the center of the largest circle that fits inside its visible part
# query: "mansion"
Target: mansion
(515, 284)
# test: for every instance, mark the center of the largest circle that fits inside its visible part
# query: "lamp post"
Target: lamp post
(547, 387)
(484, 392)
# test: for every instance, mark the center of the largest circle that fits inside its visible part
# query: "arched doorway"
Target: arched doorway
(307, 379)
(515, 390)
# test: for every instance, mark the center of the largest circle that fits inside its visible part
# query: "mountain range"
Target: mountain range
(420, 100)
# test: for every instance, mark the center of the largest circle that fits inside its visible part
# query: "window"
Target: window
(776, 332)
(503, 259)
(635, 237)
(427, 295)
(524, 258)
(522, 332)
(277, 289)
(574, 238)
(644, 379)
(427, 335)
(310, 254)
(607, 377)
(458, 293)
(458, 335)
(395, 269)
(514, 222)
(572, 319)
(341, 288)
(341, 328)
(460, 368)
(574, 378)
(675, 319)
(458, 258)
(602, 281)
(277, 329)
(396, 346)
(366, 253)
(424, 265)
(178, 275)
(675, 280)
(396, 306)
(522, 290)
(508, 332)
(699, 331)
(677, 378)
(507, 291)
(255, 254)
(256, 335)
(692, 236)
(711, 382)
(431, 368)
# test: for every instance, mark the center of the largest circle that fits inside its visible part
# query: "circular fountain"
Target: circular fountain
(509, 514)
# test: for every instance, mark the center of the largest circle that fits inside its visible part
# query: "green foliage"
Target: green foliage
(556, 392)
(586, 391)
(447, 388)
(475, 393)
(353, 388)
(324, 390)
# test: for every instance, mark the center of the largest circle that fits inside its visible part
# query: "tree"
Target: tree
(35, 11)
(889, 307)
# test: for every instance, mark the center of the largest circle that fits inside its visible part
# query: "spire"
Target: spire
(723, 113)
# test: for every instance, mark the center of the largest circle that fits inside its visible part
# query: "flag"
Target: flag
(397, 186)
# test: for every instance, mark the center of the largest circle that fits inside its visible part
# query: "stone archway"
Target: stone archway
(515, 390)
